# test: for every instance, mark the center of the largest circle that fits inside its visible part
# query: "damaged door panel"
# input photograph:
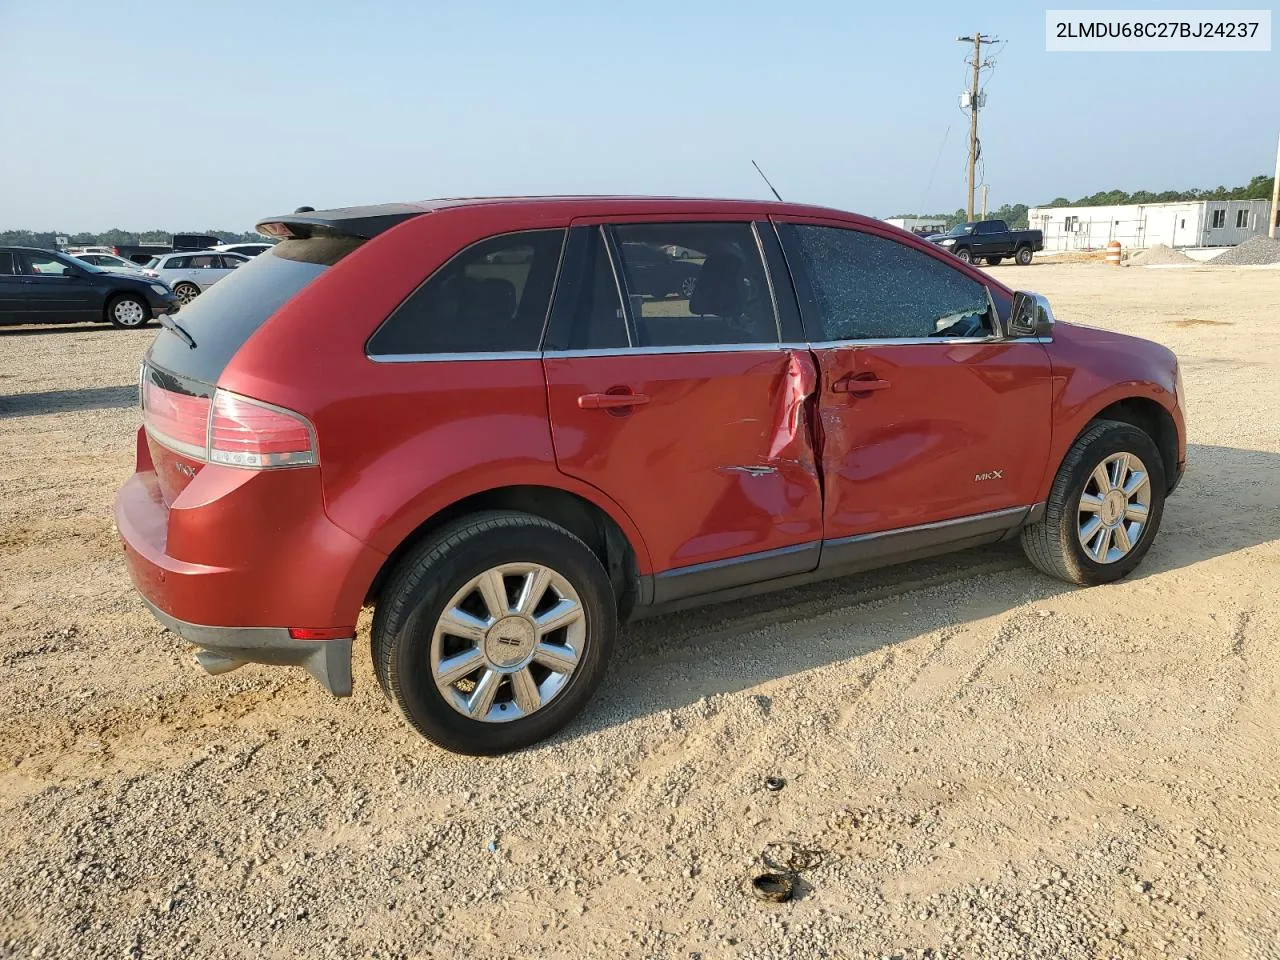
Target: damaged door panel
(717, 466)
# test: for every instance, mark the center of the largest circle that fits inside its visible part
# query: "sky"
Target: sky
(183, 116)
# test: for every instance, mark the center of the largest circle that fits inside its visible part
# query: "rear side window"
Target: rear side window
(695, 284)
(859, 286)
(222, 318)
(490, 298)
(177, 263)
(588, 310)
(6, 264)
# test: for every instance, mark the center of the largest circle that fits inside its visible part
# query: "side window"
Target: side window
(43, 265)
(206, 262)
(6, 264)
(490, 298)
(695, 284)
(177, 263)
(866, 287)
(587, 314)
(231, 263)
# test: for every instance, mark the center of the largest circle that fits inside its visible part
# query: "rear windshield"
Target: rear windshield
(222, 318)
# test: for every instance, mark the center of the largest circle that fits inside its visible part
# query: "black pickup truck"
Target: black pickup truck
(992, 241)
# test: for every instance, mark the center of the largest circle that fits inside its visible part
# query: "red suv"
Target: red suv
(509, 424)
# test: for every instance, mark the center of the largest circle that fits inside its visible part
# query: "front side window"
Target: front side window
(491, 297)
(866, 287)
(6, 264)
(695, 284)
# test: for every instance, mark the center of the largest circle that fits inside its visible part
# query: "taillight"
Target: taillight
(250, 433)
(231, 430)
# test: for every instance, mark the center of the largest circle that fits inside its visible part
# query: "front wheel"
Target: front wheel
(128, 312)
(494, 633)
(1104, 508)
(687, 286)
(964, 254)
(186, 292)
(1023, 256)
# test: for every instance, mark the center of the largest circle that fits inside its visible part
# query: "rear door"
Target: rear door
(928, 414)
(56, 292)
(688, 411)
(206, 269)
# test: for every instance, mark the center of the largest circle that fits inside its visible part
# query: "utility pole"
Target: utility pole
(1275, 198)
(977, 40)
(984, 201)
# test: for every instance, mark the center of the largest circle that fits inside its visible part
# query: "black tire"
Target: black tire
(1023, 256)
(964, 254)
(424, 583)
(1053, 546)
(185, 292)
(128, 311)
(994, 261)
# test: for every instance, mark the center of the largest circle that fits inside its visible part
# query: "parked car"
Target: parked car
(244, 249)
(190, 274)
(506, 459)
(41, 286)
(991, 240)
(76, 251)
(140, 253)
(654, 272)
(110, 262)
(195, 241)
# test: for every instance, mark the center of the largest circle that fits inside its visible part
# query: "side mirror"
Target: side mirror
(1030, 316)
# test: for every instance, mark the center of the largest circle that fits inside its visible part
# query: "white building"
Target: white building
(1193, 223)
(918, 225)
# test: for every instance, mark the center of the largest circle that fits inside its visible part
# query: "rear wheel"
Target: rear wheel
(993, 261)
(687, 286)
(1104, 508)
(1023, 256)
(186, 292)
(494, 633)
(128, 311)
(964, 254)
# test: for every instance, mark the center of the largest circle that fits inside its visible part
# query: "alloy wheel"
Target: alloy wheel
(1114, 506)
(508, 642)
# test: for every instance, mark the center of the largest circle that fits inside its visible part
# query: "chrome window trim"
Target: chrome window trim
(768, 281)
(697, 348)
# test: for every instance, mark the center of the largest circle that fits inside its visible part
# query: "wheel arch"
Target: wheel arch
(587, 520)
(1149, 416)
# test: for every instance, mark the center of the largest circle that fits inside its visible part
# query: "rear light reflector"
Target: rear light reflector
(321, 633)
(249, 433)
(228, 429)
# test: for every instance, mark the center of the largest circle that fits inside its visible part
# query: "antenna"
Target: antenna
(766, 180)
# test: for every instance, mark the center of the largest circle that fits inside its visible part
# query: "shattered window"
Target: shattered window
(865, 287)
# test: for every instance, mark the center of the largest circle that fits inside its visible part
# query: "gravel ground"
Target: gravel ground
(979, 761)
(1159, 254)
(1256, 251)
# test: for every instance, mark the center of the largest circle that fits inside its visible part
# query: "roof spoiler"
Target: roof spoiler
(362, 222)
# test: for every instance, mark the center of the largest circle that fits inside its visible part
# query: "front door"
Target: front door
(686, 409)
(928, 415)
(56, 291)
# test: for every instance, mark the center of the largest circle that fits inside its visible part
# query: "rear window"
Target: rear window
(222, 318)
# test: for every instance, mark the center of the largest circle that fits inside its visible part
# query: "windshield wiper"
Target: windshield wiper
(170, 324)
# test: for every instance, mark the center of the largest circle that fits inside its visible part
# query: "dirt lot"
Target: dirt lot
(979, 761)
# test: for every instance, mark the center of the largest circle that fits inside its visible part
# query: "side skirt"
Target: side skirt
(741, 577)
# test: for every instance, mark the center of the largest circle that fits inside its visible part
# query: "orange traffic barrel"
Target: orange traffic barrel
(1113, 253)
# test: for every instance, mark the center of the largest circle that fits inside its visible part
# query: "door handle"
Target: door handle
(862, 383)
(611, 401)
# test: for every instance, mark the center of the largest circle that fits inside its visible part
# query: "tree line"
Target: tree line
(46, 239)
(1015, 214)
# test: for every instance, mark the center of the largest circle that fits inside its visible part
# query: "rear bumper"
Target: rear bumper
(225, 648)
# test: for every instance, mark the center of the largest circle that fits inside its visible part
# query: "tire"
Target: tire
(687, 286)
(1054, 544)
(964, 254)
(185, 292)
(1023, 256)
(436, 577)
(128, 312)
(994, 261)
